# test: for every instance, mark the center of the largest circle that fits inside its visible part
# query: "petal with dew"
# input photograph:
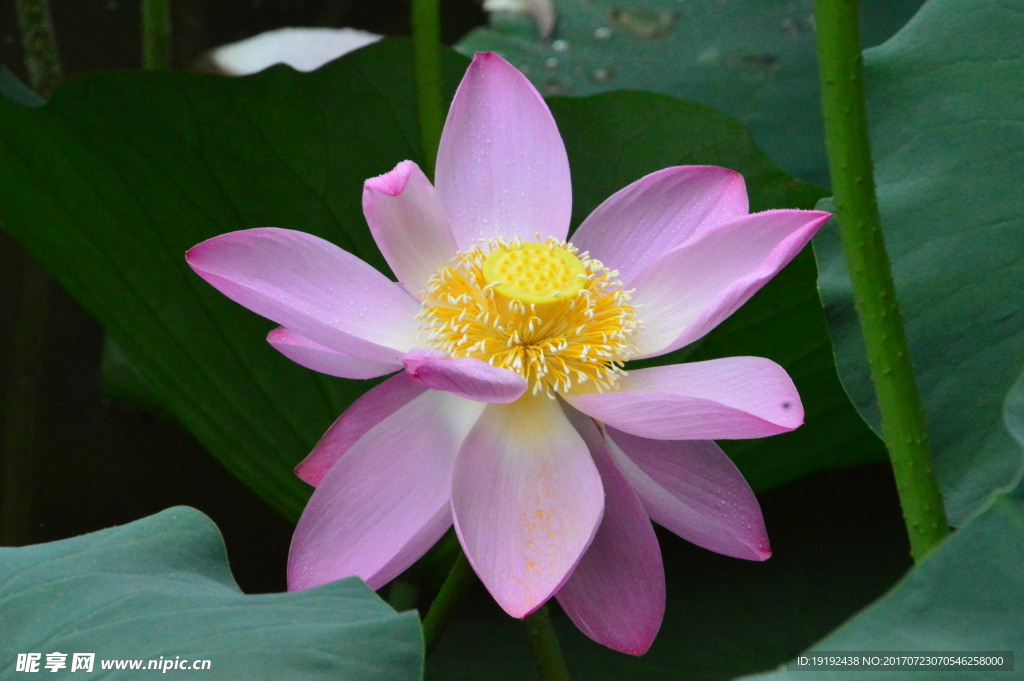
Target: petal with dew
(408, 223)
(616, 594)
(691, 290)
(720, 399)
(386, 501)
(312, 287)
(502, 170)
(693, 489)
(527, 501)
(372, 407)
(659, 212)
(473, 379)
(301, 350)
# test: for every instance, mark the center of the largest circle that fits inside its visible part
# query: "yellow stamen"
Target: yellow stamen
(544, 310)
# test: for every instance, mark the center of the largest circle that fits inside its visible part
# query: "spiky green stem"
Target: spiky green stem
(853, 184)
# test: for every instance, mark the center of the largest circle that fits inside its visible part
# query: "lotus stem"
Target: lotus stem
(156, 35)
(856, 207)
(426, 40)
(546, 649)
(460, 579)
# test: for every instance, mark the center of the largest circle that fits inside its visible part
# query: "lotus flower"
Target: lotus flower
(511, 414)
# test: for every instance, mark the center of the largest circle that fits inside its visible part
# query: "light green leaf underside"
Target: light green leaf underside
(161, 586)
(947, 128)
(751, 59)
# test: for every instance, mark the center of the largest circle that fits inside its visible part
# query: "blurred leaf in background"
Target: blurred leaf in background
(751, 59)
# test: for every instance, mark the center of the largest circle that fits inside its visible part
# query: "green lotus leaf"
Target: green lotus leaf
(160, 589)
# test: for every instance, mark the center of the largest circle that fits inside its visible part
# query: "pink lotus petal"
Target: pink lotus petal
(383, 503)
(501, 168)
(527, 501)
(408, 224)
(690, 290)
(470, 378)
(659, 212)
(301, 350)
(694, 490)
(372, 407)
(723, 399)
(433, 529)
(313, 288)
(616, 594)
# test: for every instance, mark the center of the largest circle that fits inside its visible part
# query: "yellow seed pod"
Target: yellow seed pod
(535, 273)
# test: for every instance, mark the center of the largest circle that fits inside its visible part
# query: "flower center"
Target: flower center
(543, 310)
(538, 274)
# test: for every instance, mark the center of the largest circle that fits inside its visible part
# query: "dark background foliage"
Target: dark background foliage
(96, 462)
